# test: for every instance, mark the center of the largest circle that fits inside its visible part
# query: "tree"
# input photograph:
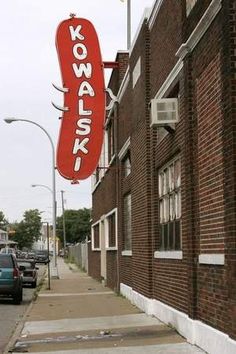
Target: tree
(77, 225)
(3, 221)
(28, 230)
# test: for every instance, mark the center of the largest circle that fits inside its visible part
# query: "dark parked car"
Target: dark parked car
(41, 256)
(28, 271)
(30, 255)
(10, 278)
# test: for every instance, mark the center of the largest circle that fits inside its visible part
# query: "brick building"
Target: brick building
(163, 220)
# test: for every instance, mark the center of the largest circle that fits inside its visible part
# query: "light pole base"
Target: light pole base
(54, 272)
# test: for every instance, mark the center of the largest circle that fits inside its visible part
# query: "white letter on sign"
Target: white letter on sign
(84, 124)
(75, 33)
(84, 53)
(80, 146)
(83, 68)
(82, 112)
(77, 163)
(86, 89)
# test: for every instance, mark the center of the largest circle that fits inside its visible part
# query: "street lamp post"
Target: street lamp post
(63, 220)
(50, 190)
(12, 120)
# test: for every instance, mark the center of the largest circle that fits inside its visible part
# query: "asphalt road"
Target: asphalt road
(11, 315)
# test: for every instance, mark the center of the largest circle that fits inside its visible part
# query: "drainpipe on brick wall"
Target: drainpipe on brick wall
(117, 196)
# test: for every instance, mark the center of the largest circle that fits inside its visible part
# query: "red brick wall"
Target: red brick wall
(205, 138)
(94, 262)
(165, 39)
(210, 158)
(104, 198)
(112, 270)
(140, 179)
(206, 72)
(229, 135)
(170, 277)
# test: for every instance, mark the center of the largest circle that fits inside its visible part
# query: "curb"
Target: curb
(18, 328)
(17, 331)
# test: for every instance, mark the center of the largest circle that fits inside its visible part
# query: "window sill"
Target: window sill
(126, 253)
(111, 249)
(96, 249)
(214, 259)
(168, 254)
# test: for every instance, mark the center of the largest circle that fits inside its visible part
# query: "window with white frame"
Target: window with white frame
(111, 230)
(96, 236)
(127, 222)
(170, 206)
(189, 5)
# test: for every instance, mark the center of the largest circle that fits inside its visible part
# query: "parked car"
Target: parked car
(41, 256)
(6, 250)
(10, 278)
(28, 271)
(30, 255)
(62, 252)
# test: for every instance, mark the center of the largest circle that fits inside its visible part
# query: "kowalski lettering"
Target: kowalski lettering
(82, 73)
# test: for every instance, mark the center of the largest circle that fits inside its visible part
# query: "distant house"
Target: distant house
(3, 236)
(4, 240)
(42, 243)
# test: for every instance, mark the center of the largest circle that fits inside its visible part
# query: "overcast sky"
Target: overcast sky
(28, 66)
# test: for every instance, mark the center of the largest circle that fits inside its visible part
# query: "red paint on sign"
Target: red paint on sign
(81, 134)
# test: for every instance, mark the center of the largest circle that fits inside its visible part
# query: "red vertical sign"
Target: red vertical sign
(81, 134)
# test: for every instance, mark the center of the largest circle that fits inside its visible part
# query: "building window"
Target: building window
(127, 164)
(111, 230)
(189, 5)
(96, 236)
(170, 206)
(110, 140)
(127, 223)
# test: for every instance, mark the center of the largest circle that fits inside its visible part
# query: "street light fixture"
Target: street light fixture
(42, 185)
(53, 190)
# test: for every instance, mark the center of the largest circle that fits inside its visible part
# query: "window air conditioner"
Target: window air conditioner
(164, 111)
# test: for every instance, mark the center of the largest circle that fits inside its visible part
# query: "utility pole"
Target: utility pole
(49, 281)
(63, 219)
(128, 24)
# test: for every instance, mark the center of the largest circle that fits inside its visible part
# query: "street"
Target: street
(11, 315)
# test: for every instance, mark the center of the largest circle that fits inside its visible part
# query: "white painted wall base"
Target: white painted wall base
(196, 332)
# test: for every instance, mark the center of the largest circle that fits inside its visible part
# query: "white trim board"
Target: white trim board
(196, 332)
(214, 259)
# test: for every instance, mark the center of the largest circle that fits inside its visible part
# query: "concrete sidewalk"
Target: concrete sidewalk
(80, 315)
